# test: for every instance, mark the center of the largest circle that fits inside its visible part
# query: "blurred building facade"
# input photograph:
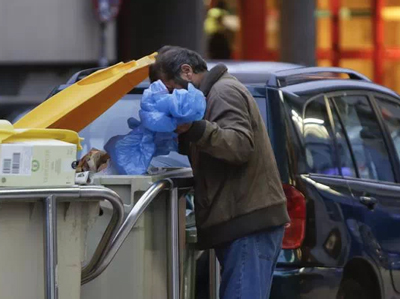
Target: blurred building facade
(360, 34)
(50, 32)
(43, 42)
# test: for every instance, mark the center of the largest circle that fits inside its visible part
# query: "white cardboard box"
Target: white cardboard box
(37, 163)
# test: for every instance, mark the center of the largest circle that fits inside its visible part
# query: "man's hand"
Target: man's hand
(183, 128)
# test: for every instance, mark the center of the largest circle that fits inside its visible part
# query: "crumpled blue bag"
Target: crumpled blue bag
(162, 111)
(132, 153)
(165, 141)
(154, 135)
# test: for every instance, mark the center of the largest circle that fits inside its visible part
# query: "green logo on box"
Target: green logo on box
(35, 165)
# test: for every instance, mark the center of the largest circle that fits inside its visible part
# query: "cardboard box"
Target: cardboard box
(37, 163)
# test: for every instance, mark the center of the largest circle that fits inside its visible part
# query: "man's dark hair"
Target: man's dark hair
(154, 73)
(169, 61)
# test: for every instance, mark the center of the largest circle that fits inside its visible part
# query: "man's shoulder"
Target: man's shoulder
(227, 83)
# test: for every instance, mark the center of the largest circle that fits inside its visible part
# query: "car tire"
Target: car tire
(351, 288)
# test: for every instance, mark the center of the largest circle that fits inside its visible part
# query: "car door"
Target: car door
(375, 188)
(321, 160)
(389, 111)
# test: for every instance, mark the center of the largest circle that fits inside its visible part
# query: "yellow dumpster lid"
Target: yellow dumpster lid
(81, 103)
(8, 134)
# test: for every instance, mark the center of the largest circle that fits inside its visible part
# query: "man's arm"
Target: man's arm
(228, 135)
(183, 145)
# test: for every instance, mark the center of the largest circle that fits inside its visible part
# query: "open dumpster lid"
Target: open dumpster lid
(8, 134)
(81, 103)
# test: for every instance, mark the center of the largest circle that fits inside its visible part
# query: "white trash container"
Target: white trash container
(22, 274)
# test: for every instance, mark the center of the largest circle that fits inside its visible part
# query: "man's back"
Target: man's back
(240, 205)
(238, 188)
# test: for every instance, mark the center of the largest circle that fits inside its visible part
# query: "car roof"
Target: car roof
(273, 74)
(248, 72)
(251, 72)
(310, 88)
(288, 77)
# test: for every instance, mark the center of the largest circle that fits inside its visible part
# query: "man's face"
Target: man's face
(186, 76)
(171, 85)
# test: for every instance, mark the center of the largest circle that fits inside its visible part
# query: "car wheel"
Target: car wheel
(350, 288)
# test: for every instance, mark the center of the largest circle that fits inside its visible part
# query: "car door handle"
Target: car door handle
(368, 201)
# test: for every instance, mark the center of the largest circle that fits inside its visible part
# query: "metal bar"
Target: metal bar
(346, 136)
(213, 291)
(116, 222)
(89, 193)
(51, 279)
(328, 110)
(282, 75)
(103, 60)
(217, 276)
(126, 228)
(174, 243)
(378, 25)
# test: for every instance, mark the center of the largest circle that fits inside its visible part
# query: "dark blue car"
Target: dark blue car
(336, 138)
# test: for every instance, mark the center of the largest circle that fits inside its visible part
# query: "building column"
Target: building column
(146, 25)
(298, 41)
(379, 41)
(253, 29)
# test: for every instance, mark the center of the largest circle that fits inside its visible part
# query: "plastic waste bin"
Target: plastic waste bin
(140, 268)
(21, 226)
(33, 158)
(22, 248)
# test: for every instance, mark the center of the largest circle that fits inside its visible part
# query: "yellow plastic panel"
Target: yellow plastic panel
(81, 103)
(8, 134)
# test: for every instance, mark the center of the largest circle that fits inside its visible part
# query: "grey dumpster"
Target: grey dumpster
(140, 268)
(22, 248)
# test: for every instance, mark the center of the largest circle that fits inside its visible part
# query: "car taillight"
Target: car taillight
(296, 205)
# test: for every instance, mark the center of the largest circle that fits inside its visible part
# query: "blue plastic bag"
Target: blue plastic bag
(132, 153)
(154, 135)
(165, 142)
(188, 105)
(155, 106)
(162, 112)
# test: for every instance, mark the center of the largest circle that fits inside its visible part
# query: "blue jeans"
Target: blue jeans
(248, 264)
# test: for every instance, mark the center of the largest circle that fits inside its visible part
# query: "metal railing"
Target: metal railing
(113, 238)
(50, 197)
(131, 221)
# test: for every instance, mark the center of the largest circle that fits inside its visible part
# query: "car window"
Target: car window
(365, 137)
(391, 116)
(318, 139)
(111, 123)
(345, 159)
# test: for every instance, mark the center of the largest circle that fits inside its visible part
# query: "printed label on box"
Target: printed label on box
(15, 160)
